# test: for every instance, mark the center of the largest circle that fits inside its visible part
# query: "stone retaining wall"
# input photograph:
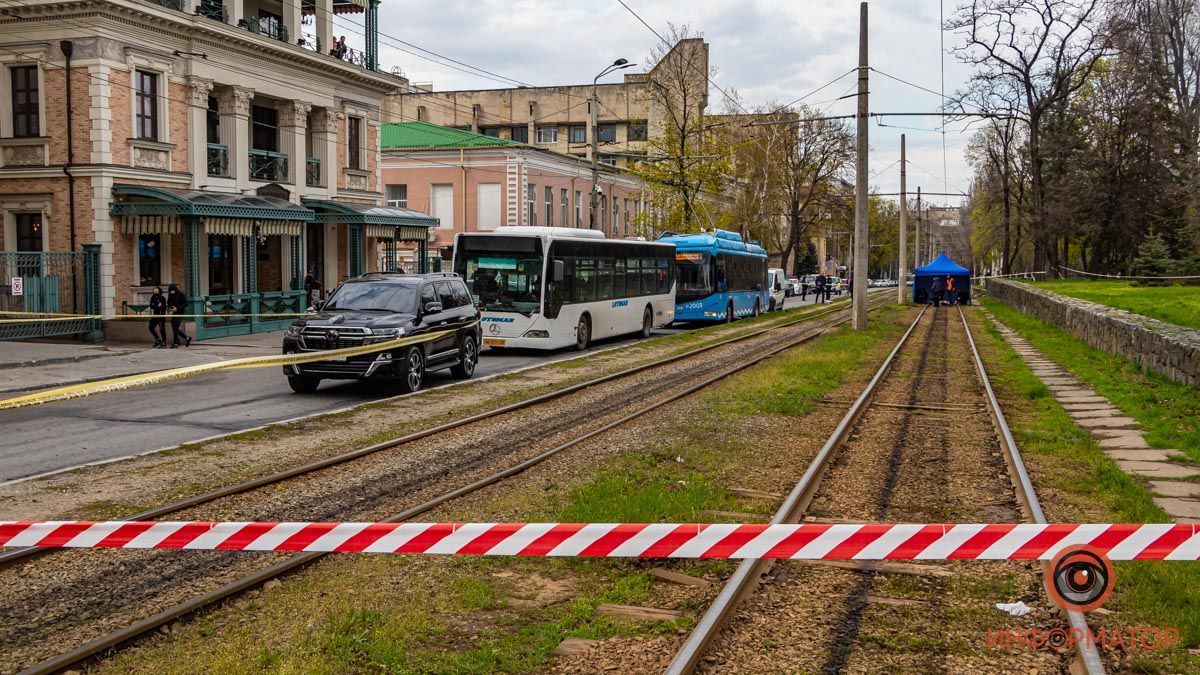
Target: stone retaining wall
(1165, 348)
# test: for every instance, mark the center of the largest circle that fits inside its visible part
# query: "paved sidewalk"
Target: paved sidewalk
(28, 366)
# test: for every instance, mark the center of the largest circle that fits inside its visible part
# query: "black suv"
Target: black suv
(382, 307)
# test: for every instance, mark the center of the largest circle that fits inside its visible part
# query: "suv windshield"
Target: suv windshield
(375, 296)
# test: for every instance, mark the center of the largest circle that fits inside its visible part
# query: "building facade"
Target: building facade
(192, 142)
(559, 118)
(474, 183)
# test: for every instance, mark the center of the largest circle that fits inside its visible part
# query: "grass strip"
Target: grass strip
(1173, 304)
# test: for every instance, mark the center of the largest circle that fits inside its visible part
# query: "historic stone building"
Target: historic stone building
(189, 141)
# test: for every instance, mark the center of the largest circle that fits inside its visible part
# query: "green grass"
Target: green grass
(1087, 485)
(1168, 411)
(1173, 304)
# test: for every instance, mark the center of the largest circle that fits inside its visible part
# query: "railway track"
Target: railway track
(882, 437)
(76, 595)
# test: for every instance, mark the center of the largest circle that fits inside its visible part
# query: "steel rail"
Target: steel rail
(11, 557)
(1087, 655)
(112, 640)
(748, 572)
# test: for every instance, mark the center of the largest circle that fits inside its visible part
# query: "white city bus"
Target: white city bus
(553, 287)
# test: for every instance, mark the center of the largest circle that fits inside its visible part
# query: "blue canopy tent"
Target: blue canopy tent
(942, 266)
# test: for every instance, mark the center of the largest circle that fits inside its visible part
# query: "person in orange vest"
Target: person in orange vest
(951, 296)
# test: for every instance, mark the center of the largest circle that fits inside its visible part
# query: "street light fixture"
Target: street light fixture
(619, 64)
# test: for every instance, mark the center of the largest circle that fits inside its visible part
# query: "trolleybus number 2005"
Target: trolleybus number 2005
(547, 288)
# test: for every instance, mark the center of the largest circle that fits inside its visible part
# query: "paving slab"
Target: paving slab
(1179, 508)
(1142, 455)
(1083, 399)
(1181, 489)
(1158, 470)
(1107, 422)
(1095, 413)
(1131, 440)
(1061, 381)
(1075, 407)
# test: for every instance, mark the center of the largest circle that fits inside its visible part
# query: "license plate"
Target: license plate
(339, 359)
(493, 342)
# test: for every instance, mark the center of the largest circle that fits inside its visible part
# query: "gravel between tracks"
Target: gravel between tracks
(51, 604)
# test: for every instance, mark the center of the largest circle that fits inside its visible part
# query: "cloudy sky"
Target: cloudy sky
(769, 51)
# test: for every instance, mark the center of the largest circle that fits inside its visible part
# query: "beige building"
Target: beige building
(190, 142)
(559, 118)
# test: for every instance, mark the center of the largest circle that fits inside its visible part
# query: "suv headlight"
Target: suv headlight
(293, 331)
(388, 333)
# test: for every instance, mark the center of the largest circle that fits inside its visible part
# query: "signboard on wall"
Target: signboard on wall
(18, 286)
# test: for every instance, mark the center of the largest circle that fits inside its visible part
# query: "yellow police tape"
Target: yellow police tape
(32, 317)
(160, 376)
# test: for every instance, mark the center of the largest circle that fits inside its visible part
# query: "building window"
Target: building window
(25, 109)
(422, 116)
(149, 260)
(578, 208)
(441, 204)
(494, 132)
(146, 105)
(265, 134)
(270, 24)
(213, 121)
(547, 135)
(615, 213)
(354, 142)
(566, 204)
(29, 232)
(397, 195)
(577, 133)
(610, 160)
(549, 206)
(531, 204)
(636, 131)
(627, 217)
(220, 264)
(607, 133)
(520, 134)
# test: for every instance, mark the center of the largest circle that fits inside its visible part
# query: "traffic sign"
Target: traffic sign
(18, 286)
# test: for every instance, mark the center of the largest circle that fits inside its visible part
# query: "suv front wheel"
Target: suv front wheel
(303, 385)
(413, 377)
(467, 356)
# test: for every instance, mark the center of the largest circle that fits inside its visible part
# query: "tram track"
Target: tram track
(465, 459)
(885, 461)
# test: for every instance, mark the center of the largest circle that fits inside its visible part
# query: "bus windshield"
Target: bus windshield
(501, 278)
(695, 271)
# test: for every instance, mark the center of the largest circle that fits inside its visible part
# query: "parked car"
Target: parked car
(777, 280)
(793, 286)
(382, 307)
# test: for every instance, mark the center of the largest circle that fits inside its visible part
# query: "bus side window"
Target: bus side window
(664, 277)
(619, 286)
(604, 279)
(584, 289)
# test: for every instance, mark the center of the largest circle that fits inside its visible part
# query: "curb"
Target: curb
(58, 359)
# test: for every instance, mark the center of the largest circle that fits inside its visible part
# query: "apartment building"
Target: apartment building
(474, 183)
(210, 144)
(559, 118)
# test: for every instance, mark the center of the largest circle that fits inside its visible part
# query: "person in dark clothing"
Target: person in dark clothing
(936, 288)
(311, 284)
(803, 289)
(177, 302)
(819, 289)
(158, 324)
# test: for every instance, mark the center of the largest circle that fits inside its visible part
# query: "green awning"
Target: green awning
(141, 200)
(380, 222)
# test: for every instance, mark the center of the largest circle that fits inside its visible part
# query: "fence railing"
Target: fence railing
(218, 159)
(242, 313)
(268, 165)
(312, 171)
(53, 282)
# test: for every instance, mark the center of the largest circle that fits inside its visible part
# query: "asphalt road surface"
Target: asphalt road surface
(55, 436)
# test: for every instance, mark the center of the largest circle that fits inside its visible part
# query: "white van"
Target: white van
(778, 284)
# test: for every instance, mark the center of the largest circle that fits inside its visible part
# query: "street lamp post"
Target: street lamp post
(619, 64)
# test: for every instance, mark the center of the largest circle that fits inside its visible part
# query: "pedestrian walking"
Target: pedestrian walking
(803, 289)
(311, 284)
(158, 321)
(819, 289)
(828, 290)
(951, 296)
(177, 302)
(936, 288)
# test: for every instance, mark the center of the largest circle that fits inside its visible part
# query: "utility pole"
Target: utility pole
(917, 229)
(902, 259)
(859, 287)
(595, 168)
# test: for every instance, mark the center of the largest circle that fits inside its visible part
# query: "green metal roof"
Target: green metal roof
(422, 135)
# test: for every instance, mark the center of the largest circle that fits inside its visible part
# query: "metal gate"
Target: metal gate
(50, 283)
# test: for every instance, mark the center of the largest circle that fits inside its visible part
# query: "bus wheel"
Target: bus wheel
(729, 312)
(583, 334)
(647, 323)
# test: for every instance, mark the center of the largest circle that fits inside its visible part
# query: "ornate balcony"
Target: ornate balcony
(269, 166)
(213, 9)
(271, 29)
(218, 160)
(312, 171)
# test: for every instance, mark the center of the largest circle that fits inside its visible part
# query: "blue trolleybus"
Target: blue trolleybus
(719, 277)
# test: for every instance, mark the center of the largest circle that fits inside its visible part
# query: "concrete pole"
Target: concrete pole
(917, 229)
(859, 304)
(595, 139)
(902, 259)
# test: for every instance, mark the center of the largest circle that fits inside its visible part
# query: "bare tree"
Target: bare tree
(812, 172)
(1029, 56)
(995, 152)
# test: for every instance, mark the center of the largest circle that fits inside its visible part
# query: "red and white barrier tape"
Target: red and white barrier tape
(997, 541)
